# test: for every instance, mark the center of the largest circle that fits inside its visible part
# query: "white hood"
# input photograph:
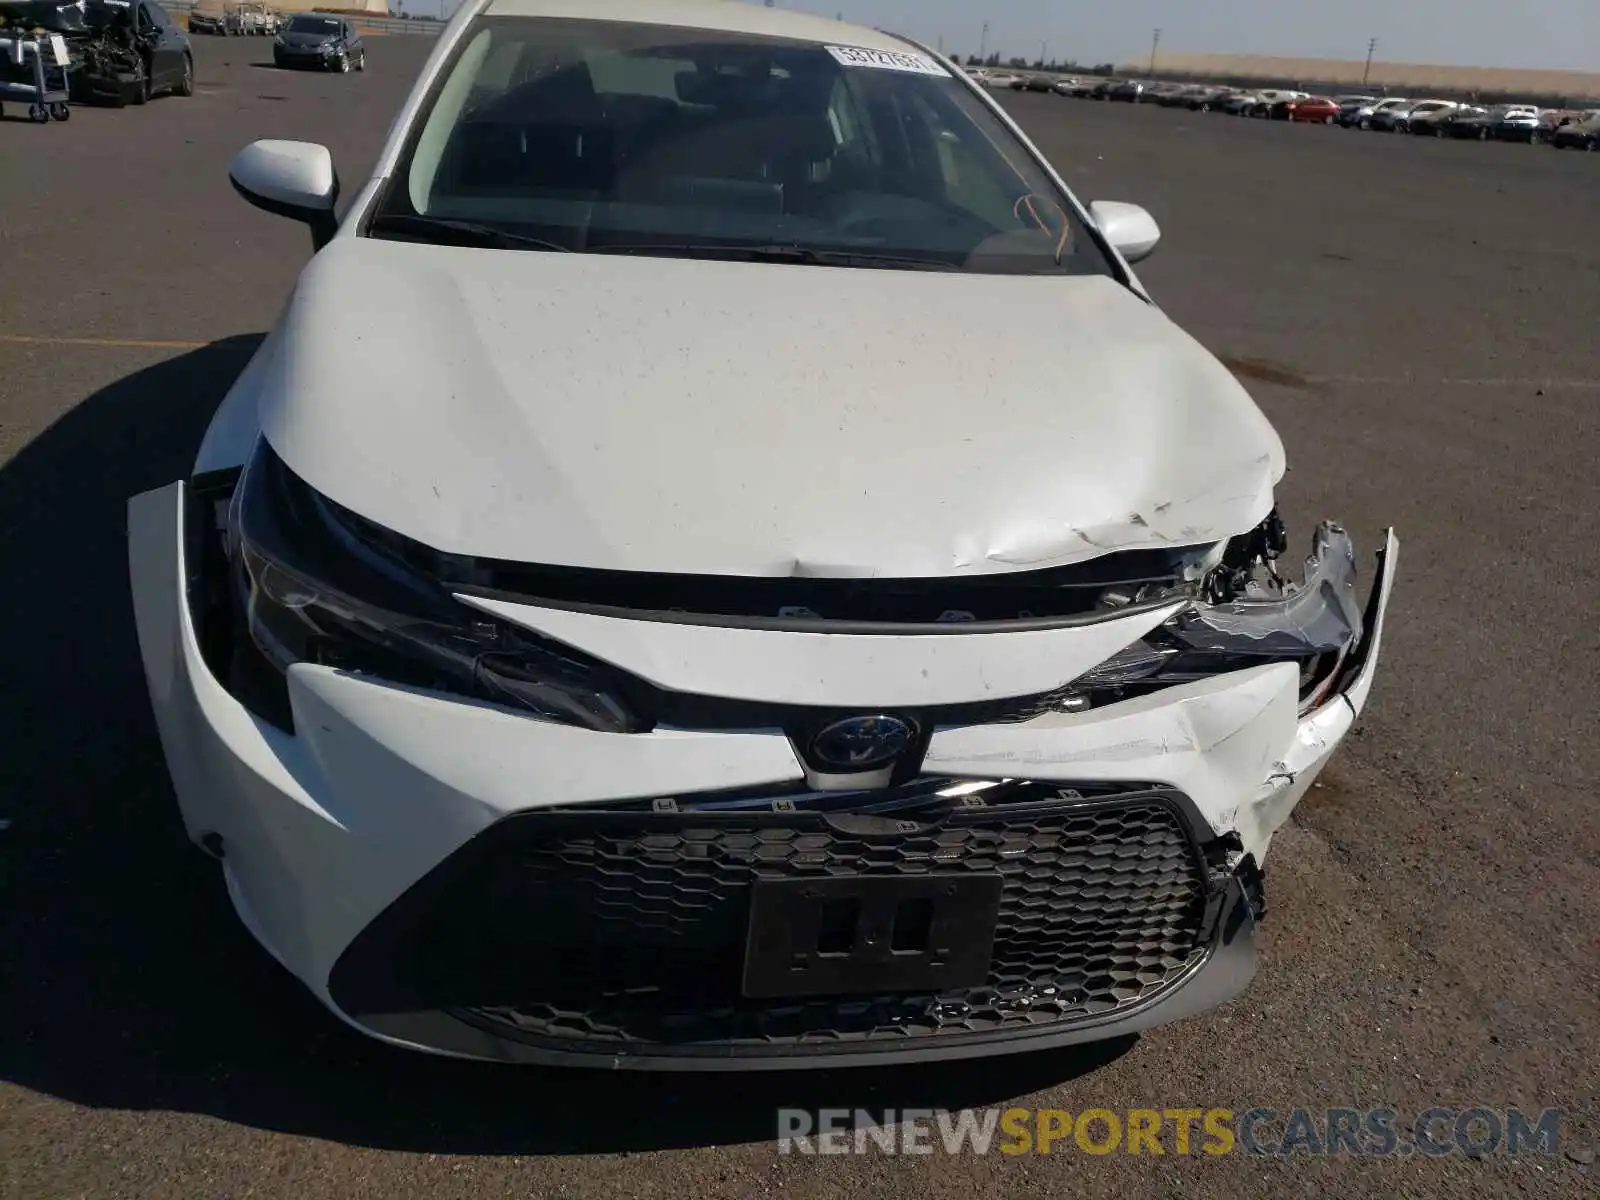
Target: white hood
(698, 417)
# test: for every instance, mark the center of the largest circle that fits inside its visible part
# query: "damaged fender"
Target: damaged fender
(1236, 743)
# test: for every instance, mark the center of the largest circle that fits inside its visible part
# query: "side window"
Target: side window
(146, 19)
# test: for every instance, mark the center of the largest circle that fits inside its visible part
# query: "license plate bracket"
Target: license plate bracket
(870, 934)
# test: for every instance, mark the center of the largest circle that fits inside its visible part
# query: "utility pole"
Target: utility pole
(983, 44)
(1372, 44)
(1155, 41)
(1044, 54)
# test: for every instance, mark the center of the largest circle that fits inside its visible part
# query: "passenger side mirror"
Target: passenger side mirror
(290, 179)
(1128, 227)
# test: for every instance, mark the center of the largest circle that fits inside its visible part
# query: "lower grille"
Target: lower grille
(624, 931)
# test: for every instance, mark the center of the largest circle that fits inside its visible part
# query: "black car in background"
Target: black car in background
(124, 51)
(133, 50)
(1528, 125)
(320, 40)
(1580, 135)
(1204, 99)
(1503, 122)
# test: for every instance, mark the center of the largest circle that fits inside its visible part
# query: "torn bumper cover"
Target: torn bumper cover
(450, 875)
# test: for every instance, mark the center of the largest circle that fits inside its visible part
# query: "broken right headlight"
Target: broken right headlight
(1314, 623)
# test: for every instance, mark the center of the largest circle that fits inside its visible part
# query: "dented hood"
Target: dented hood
(700, 417)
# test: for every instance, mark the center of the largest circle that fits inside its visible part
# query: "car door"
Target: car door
(156, 30)
(352, 41)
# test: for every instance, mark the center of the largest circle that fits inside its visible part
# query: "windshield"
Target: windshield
(608, 136)
(323, 25)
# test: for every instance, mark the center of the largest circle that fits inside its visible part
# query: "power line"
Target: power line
(1155, 40)
(1372, 44)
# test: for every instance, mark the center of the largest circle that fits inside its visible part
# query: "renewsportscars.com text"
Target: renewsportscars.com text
(1362, 1133)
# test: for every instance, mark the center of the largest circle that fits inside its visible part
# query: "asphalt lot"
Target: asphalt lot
(1417, 318)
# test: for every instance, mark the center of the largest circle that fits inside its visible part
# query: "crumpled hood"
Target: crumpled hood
(307, 41)
(698, 417)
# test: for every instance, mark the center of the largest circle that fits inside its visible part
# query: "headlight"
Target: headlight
(318, 584)
(1314, 624)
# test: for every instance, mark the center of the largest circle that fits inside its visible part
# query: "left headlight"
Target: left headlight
(319, 584)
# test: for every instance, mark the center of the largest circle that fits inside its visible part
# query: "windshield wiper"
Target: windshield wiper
(803, 255)
(447, 231)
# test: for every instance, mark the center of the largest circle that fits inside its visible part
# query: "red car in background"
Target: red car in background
(1316, 109)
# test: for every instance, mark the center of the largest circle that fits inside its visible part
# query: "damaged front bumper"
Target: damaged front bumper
(454, 877)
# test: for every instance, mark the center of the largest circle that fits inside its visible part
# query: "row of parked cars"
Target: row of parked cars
(241, 20)
(1562, 128)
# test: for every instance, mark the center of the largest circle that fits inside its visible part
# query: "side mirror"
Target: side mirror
(1128, 227)
(290, 179)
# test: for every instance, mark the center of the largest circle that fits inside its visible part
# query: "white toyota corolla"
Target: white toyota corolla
(721, 564)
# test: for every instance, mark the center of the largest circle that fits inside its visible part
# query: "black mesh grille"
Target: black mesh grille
(619, 931)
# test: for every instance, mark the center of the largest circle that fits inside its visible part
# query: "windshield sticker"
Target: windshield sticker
(886, 60)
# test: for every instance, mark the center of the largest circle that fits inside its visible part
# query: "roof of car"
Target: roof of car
(731, 16)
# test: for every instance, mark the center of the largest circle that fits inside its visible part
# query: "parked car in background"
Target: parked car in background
(320, 40)
(1103, 89)
(1522, 123)
(1236, 104)
(1272, 96)
(250, 19)
(1422, 114)
(1038, 83)
(1482, 124)
(1583, 134)
(1388, 120)
(1001, 79)
(1428, 117)
(1364, 116)
(1204, 99)
(1467, 123)
(1064, 87)
(1355, 101)
(1129, 91)
(138, 51)
(209, 21)
(1313, 110)
(1079, 88)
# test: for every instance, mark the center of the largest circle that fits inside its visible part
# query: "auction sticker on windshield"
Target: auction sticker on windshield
(886, 60)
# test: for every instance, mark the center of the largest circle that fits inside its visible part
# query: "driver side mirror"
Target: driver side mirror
(1129, 228)
(290, 179)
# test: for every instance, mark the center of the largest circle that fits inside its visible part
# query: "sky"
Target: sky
(1553, 34)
